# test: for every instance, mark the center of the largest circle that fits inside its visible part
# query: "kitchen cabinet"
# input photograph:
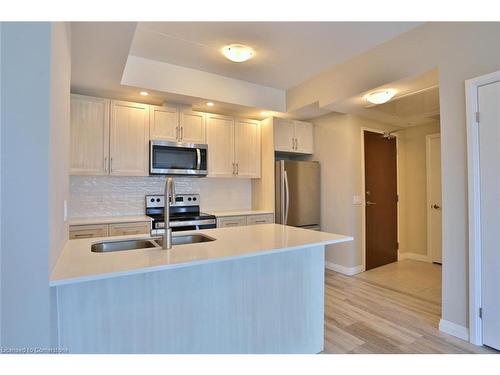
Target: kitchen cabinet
(89, 135)
(260, 219)
(87, 231)
(192, 127)
(220, 140)
(247, 148)
(293, 136)
(241, 220)
(233, 147)
(129, 139)
(164, 123)
(127, 229)
(231, 221)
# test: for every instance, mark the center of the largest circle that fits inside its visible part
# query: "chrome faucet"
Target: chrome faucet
(169, 198)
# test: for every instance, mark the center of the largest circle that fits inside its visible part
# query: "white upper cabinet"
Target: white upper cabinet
(293, 136)
(220, 140)
(89, 135)
(247, 148)
(129, 139)
(192, 127)
(304, 137)
(164, 123)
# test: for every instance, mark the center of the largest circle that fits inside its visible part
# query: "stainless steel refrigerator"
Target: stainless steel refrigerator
(297, 197)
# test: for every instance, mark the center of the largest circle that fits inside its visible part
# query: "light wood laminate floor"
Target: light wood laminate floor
(365, 317)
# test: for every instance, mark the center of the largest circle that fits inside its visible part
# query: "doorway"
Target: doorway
(433, 171)
(381, 199)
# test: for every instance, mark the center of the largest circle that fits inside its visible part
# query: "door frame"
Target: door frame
(363, 190)
(428, 138)
(473, 171)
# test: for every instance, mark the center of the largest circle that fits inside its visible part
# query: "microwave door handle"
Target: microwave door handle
(198, 159)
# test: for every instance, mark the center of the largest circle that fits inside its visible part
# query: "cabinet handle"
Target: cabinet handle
(229, 224)
(111, 165)
(296, 143)
(106, 164)
(83, 235)
(260, 221)
(237, 168)
(182, 133)
(177, 133)
(233, 170)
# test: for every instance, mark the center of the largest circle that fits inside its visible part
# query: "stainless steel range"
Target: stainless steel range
(184, 214)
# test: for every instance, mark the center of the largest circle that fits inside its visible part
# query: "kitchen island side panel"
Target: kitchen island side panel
(273, 303)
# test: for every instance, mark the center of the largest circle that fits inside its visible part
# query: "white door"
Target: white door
(220, 140)
(164, 123)
(284, 135)
(303, 137)
(434, 206)
(489, 159)
(89, 136)
(192, 127)
(247, 148)
(129, 139)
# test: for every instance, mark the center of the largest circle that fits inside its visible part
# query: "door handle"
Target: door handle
(436, 207)
(368, 203)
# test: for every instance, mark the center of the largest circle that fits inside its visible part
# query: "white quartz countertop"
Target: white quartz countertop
(108, 219)
(77, 263)
(239, 212)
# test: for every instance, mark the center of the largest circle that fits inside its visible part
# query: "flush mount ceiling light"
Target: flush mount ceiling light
(144, 93)
(210, 104)
(238, 52)
(380, 96)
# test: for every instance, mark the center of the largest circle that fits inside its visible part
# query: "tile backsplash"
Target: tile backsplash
(94, 196)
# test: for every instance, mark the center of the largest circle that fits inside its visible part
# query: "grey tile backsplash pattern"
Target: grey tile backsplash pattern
(111, 196)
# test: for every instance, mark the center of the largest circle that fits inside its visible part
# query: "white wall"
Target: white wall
(59, 137)
(0, 182)
(109, 196)
(460, 51)
(25, 179)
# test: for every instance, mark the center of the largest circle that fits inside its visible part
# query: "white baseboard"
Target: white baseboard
(413, 256)
(454, 329)
(349, 271)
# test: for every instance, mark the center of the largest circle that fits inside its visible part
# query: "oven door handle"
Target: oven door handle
(198, 159)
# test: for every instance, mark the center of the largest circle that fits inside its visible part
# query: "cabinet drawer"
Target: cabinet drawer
(260, 219)
(87, 231)
(127, 229)
(231, 221)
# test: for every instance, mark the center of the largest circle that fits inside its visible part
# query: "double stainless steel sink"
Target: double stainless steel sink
(145, 243)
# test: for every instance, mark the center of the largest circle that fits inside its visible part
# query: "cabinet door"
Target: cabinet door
(284, 133)
(192, 127)
(89, 136)
(304, 137)
(128, 229)
(220, 140)
(164, 123)
(87, 231)
(231, 221)
(247, 148)
(260, 219)
(129, 139)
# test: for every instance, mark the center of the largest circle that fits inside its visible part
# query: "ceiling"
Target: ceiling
(287, 53)
(416, 102)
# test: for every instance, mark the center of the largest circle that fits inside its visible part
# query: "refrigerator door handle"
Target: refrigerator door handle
(287, 197)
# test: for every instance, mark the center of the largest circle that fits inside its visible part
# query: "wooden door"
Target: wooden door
(129, 139)
(89, 135)
(381, 233)
(220, 140)
(247, 148)
(433, 166)
(192, 127)
(489, 155)
(164, 123)
(303, 137)
(284, 134)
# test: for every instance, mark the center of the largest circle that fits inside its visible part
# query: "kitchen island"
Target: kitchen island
(254, 289)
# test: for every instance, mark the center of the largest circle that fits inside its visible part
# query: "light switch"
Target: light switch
(357, 200)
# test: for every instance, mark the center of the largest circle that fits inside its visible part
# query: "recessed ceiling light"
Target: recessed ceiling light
(238, 52)
(380, 96)
(210, 104)
(144, 93)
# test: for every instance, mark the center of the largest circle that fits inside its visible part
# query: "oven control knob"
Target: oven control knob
(189, 198)
(194, 198)
(157, 199)
(152, 199)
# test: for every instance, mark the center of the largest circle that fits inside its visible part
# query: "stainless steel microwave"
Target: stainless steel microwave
(174, 158)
